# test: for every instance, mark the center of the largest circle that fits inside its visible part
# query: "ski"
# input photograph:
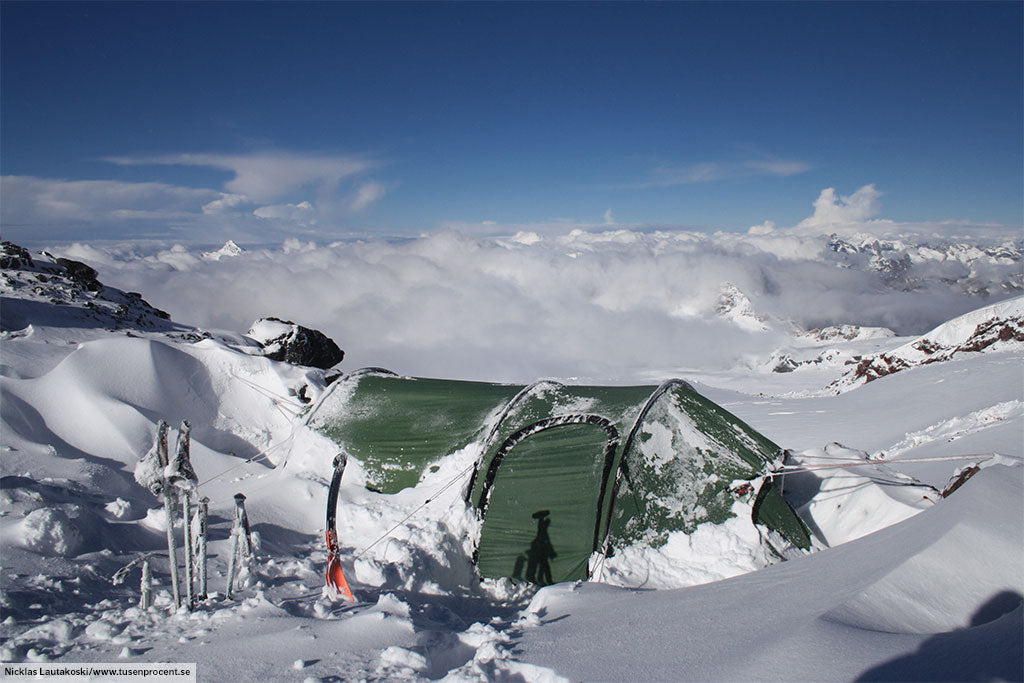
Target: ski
(335, 577)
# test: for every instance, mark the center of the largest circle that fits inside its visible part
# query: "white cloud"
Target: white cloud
(368, 193)
(27, 197)
(614, 305)
(609, 219)
(178, 257)
(303, 211)
(226, 204)
(836, 211)
(776, 168)
(552, 226)
(766, 228)
(710, 171)
(268, 194)
(266, 177)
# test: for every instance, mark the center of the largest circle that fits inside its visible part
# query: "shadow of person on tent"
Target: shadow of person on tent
(539, 555)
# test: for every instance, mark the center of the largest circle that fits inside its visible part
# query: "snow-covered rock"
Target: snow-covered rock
(835, 333)
(910, 262)
(50, 531)
(31, 287)
(782, 361)
(998, 327)
(230, 249)
(14, 257)
(285, 341)
(733, 305)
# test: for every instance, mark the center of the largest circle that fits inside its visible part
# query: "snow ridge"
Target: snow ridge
(999, 327)
(31, 286)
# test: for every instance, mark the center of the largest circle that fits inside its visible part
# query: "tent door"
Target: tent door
(542, 497)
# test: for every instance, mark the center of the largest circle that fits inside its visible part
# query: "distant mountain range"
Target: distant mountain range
(909, 265)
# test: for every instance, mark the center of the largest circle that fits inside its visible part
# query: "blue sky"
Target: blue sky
(208, 120)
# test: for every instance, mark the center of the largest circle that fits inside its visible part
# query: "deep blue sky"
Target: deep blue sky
(398, 118)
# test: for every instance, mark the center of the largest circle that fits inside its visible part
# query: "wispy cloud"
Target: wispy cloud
(266, 195)
(366, 194)
(28, 199)
(711, 171)
(301, 212)
(267, 177)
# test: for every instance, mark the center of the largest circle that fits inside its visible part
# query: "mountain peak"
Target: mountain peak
(735, 306)
(228, 250)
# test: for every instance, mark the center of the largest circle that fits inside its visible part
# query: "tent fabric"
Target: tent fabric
(398, 426)
(542, 500)
(671, 473)
(678, 463)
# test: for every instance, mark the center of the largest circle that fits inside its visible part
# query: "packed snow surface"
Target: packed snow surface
(901, 582)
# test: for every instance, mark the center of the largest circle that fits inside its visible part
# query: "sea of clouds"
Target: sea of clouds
(613, 305)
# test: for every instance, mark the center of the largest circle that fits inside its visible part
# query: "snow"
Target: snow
(884, 495)
(270, 329)
(901, 583)
(958, 330)
(809, 619)
(710, 553)
(999, 327)
(227, 251)
(49, 531)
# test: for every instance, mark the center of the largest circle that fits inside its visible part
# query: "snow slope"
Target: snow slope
(902, 583)
(998, 327)
(921, 600)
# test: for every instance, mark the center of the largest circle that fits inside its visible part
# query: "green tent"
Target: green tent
(560, 471)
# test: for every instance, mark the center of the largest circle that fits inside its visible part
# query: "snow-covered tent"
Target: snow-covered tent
(560, 472)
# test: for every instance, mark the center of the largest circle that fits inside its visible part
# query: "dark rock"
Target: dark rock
(14, 257)
(283, 340)
(785, 365)
(81, 273)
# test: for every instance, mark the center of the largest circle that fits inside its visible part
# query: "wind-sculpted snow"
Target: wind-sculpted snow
(937, 597)
(611, 306)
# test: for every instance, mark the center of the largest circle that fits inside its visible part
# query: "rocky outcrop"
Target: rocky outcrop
(781, 361)
(845, 333)
(14, 257)
(993, 328)
(80, 273)
(25, 281)
(285, 341)
(733, 305)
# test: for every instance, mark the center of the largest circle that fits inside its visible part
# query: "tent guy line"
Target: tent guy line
(791, 469)
(451, 482)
